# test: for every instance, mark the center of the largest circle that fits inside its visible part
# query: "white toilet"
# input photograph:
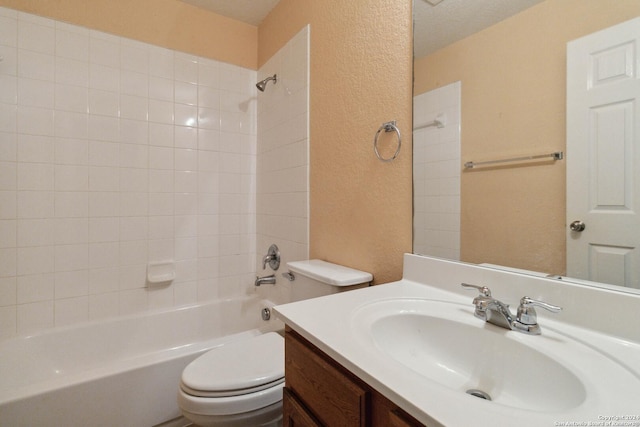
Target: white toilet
(240, 384)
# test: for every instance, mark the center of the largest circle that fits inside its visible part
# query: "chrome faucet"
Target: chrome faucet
(498, 313)
(272, 258)
(266, 280)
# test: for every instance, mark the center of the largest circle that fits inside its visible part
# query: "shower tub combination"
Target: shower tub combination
(123, 372)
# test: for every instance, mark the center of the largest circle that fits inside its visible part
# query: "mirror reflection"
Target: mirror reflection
(501, 93)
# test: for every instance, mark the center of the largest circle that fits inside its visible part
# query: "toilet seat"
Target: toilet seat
(238, 377)
(229, 393)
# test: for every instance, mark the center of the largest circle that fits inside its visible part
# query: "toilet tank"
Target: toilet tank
(315, 278)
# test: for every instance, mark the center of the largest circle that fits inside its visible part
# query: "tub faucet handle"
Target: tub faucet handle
(272, 258)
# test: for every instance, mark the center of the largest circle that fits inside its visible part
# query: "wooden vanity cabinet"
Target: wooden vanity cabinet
(321, 392)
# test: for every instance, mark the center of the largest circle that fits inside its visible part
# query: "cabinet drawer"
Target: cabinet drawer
(328, 392)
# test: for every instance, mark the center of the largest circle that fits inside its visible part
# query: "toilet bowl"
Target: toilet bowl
(240, 384)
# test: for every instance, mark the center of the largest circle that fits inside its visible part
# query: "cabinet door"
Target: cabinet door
(295, 415)
(327, 391)
(398, 418)
(385, 413)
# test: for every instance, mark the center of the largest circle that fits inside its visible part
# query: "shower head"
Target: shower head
(262, 84)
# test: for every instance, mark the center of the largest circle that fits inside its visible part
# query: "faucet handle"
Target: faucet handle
(527, 314)
(482, 301)
(530, 302)
(272, 258)
(483, 289)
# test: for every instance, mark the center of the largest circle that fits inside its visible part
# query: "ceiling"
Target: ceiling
(435, 26)
(452, 20)
(249, 11)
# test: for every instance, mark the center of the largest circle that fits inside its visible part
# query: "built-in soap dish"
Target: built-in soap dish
(162, 272)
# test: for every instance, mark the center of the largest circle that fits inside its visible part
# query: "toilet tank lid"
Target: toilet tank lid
(329, 273)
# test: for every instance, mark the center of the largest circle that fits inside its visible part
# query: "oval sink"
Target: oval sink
(445, 343)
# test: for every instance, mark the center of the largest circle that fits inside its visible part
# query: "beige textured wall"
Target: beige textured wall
(513, 103)
(284, 21)
(168, 23)
(361, 60)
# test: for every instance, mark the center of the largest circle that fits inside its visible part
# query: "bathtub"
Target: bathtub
(121, 372)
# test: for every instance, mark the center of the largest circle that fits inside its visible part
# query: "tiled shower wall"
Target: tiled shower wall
(436, 173)
(283, 160)
(113, 154)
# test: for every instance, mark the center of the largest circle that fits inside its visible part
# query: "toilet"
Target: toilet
(240, 384)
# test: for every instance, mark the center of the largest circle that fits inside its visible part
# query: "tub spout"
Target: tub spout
(266, 280)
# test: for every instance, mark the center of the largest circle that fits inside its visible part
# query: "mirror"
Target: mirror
(510, 70)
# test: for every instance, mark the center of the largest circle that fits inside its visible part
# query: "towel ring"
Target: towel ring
(387, 127)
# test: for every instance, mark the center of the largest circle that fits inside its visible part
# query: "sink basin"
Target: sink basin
(444, 343)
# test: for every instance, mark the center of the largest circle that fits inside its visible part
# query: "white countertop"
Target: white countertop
(327, 322)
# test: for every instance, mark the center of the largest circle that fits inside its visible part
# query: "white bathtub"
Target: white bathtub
(122, 372)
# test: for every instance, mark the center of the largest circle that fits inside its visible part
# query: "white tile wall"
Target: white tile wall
(115, 153)
(283, 160)
(436, 173)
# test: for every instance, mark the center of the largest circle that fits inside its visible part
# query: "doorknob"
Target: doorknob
(577, 226)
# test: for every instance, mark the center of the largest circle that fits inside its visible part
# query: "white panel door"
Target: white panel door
(603, 156)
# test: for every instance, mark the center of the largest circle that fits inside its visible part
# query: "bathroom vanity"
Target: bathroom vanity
(319, 391)
(414, 352)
